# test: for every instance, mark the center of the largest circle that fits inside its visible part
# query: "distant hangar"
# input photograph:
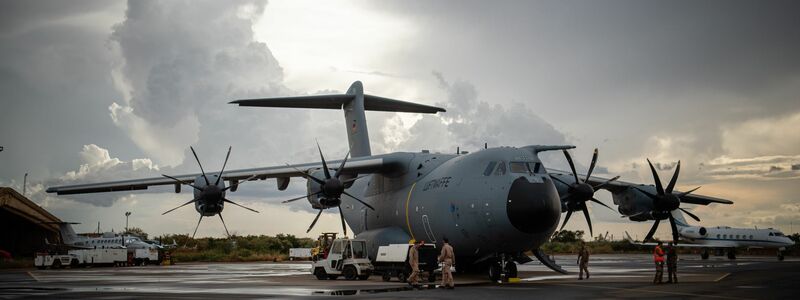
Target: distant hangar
(24, 224)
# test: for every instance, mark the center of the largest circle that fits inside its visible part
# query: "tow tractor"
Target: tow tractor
(341, 257)
(392, 261)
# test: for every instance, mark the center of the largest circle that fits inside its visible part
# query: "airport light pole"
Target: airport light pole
(127, 214)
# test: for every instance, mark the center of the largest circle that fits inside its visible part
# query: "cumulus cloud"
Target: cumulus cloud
(763, 137)
(175, 73)
(761, 167)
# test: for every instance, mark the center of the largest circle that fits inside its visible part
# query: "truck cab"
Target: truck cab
(346, 257)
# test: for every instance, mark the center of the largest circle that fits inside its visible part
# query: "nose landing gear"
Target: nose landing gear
(502, 268)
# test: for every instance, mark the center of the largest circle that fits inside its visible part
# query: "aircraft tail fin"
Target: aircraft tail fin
(679, 219)
(354, 103)
(68, 235)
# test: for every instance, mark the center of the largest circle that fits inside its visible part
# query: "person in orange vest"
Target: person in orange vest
(658, 257)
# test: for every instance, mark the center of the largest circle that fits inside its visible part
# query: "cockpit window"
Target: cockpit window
(518, 167)
(501, 168)
(770, 234)
(535, 167)
(778, 234)
(489, 168)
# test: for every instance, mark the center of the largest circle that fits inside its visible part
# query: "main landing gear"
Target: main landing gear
(502, 267)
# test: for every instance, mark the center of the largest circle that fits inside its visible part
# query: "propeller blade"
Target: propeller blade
(606, 183)
(648, 194)
(182, 205)
(591, 166)
(601, 203)
(674, 179)
(240, 182)
(201, 165)
(339, 170)
(651, 232)
(689, 192)
(569, 214)
(659, 188)
(315, 221)
(324, 165)
(223, 167)
(239, 205)
(306, 175)
(674, 229)
(181, 182)
(588, 219)
(223, 225)
(559, 180)
(301, 197)
(198, 226)
(359, 200)
(571, 166)
(344, 226)
(690, 214)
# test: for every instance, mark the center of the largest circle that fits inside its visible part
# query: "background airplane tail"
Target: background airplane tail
(679, 219)
(68, 235)
(354, 103)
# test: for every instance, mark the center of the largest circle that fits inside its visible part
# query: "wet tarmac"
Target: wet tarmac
(612, 276)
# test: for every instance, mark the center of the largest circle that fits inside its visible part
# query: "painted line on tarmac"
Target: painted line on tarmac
(33, 276)
(645, 290)
(722, 277)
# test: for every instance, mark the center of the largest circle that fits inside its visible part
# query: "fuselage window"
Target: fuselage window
(501, 168)
(737, 236)
(724, 236)
(717, 235)
(518, 167)
(489, 168)
(751, 236)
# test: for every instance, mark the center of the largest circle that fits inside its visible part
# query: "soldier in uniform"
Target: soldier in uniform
(583, 261)
(658, 258)
(672, 264)
(448, 258)
(413, 260)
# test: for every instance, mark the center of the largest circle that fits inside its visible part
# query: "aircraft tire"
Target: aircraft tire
(511, 270)
(494, 272)
(704, 254)
(780, 256)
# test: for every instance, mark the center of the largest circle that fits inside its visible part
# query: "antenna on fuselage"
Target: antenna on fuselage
(485, 145)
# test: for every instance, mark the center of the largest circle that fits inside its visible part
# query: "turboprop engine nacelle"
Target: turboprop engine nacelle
(694, 232)
(634, 203)
(316, 196)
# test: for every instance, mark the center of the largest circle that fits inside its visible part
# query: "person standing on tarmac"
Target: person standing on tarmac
(672, 263)
(658, 257)
(583, 261)
(448, 258)
(413, 260)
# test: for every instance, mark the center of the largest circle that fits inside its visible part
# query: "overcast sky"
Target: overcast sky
(105, 90)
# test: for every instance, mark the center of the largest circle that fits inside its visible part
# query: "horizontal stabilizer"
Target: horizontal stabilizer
(373, 103)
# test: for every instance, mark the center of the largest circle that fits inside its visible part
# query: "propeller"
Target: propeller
(211, 196)
(581, 191)
(665, 202)
(332, 187)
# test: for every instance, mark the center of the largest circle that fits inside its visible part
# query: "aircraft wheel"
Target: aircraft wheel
(350, 273)
(511, 269)
(386, 276)
(780, 256)
(731, 254)
(704, 255)
(494, 272)
(320, 274)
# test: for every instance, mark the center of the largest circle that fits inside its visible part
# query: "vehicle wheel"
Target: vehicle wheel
(402, 276)
(494, 272)
(511, 271)
(350, 273)
(320, 274)
(74, 263)
(431, 276)
(146, 261)
(386, 276)
(56, 264)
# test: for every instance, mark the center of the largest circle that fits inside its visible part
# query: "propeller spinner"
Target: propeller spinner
(581, 192)
(209, 197)
(331, 189)
(665, 202)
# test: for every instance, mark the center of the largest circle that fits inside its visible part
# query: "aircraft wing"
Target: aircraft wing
(620, 186)
(387, 163)
(681, 243)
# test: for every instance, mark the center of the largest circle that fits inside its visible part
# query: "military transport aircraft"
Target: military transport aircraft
(725, 239)
(493, 204)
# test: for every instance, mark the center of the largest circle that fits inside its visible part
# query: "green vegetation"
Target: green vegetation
(237, 248)
(569, 242)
